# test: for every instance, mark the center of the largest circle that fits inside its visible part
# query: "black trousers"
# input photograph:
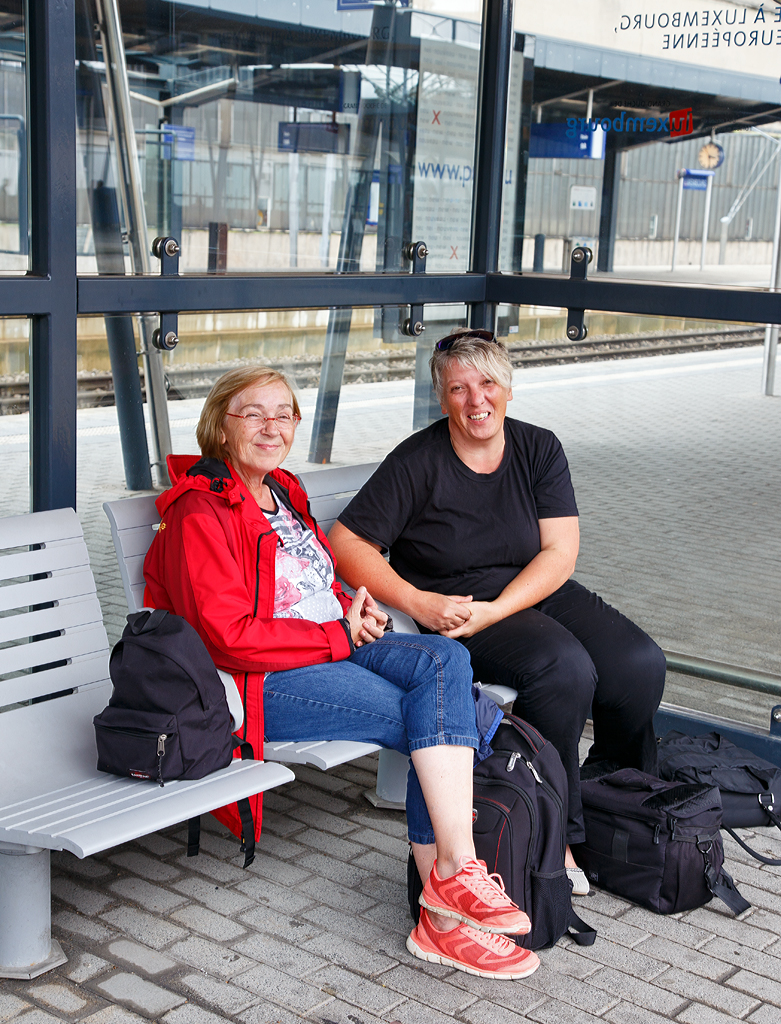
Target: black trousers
(570, 655)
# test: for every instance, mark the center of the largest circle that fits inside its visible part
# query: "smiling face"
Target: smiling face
(257, 449)
(474, 404)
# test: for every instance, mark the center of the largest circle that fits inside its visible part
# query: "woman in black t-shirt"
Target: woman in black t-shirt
(478, 514)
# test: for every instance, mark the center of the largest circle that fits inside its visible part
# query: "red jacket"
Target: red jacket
(212, 562)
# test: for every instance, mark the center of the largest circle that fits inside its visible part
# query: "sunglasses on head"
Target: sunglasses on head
(451, 339)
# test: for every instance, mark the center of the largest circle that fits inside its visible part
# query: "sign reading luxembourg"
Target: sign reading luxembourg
(720, 35)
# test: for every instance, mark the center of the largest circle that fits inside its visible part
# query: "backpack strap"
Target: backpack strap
(244, 809)
(721, 884)
(747, 848)
(580, 932)
(194, 836)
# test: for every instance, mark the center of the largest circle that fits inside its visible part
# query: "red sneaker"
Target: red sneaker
(475, 897)
(470, 950)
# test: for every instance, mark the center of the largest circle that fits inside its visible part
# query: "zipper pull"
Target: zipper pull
(656, 835)
(160, 755)
(533, 770)
(511, 763)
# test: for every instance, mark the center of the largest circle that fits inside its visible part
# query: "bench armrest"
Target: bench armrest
(235, 706)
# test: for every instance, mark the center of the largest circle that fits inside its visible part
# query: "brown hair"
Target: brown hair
(218, 400)
(489, 357)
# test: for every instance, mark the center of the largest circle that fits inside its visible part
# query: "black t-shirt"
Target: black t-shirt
(454, 531)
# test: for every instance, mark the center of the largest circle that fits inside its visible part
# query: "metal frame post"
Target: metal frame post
(51, 49)
(132, 196)
(706, 220)
(677, 221)
(608, 209)
(495, 63)
(771, 331)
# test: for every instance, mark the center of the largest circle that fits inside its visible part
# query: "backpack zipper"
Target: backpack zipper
(160, 755)
(554, 796)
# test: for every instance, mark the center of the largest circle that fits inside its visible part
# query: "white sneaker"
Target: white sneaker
(578, 881)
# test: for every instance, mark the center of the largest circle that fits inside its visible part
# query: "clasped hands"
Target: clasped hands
(365, 618)
(454, 615)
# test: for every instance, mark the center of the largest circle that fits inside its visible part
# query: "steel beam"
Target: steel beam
(495, 53)
(51, 49)
(194, 292)
(691, 302)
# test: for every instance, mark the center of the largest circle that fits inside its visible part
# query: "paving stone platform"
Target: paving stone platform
(677, 474)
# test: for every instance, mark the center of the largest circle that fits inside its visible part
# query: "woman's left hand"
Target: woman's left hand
(484, 613)
(373, 619)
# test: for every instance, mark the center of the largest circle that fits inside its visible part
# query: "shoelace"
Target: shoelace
(488, 888)
(498, 944)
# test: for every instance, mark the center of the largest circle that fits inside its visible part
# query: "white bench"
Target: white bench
(53, 681)
(134, 522)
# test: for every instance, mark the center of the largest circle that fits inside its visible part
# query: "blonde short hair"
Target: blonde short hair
(488, 357)
(219, 398)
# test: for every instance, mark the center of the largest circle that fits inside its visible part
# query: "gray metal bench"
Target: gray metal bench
(53, 681)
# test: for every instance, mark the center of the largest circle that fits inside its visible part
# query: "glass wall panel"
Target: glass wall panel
(14, 415)
(274, 136)
(650, 133)
(672, 456)
(14, 216)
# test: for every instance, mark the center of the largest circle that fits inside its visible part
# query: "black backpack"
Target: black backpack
(750, 786)
(168, 716)
(519, 827)
(655, 843)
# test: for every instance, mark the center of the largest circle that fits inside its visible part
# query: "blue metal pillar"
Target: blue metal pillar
(52, 137)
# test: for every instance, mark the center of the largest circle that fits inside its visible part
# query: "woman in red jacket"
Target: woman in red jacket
(240, 557)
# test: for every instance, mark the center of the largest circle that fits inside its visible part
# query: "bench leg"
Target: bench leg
(391, 791)
(26, 945)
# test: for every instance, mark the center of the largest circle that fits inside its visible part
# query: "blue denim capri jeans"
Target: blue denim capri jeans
(404, 691)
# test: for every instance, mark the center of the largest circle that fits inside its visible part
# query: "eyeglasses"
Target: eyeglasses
(451, 339)
(284, 421)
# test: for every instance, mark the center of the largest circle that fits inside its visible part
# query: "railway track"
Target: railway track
(96, 388)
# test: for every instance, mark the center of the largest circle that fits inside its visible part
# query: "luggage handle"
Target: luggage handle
(146, 621)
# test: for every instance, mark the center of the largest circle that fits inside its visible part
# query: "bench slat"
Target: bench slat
(58, 524)
(79, 673)
(53, 588)
(59, 648)
(67, 615)
(72, 555)
(126, 513)
(141, 807)
(322, 754)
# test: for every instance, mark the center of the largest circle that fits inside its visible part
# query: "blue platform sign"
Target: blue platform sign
(183, 139)
(557, 140)
(697, 180)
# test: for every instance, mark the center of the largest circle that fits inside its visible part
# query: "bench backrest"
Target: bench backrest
(134, 521)
(52, 638)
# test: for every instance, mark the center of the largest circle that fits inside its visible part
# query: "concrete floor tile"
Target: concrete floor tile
(84, 928)
(227, 998)
(720, 997)
(213, 926)
(483, 1012)
(153, 898)
(11, 1006)
(82, 966)
(300, 996)
(209, 957)
(554, 1012)
(368, 995)
(191, 1014)
(147, 929)
(87, 900)
(142, 957)
(293, 929)
(422, 988)
(138, 994)
(349, 954)
(57, 996)
(114, 1015)
(218, 898)
(768, 990)
(269, 1013)
(284, 956)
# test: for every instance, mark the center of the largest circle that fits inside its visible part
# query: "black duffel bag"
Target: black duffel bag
(750, 787)
(655, 843)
